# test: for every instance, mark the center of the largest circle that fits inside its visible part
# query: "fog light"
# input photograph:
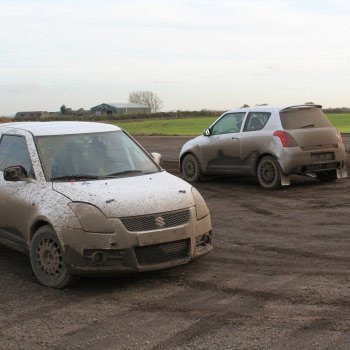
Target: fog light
(203, 240)
(99, 258)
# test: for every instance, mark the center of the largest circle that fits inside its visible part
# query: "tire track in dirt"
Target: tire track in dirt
(303, 254)
(205, 325)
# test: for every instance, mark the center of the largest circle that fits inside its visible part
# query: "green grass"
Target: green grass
(340, 121)
(185, 126)
(195, 126)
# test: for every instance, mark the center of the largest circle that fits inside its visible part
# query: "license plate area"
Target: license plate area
(322, 157)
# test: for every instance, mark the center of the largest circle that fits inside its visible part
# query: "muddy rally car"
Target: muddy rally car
(271, 143)
(86, 198)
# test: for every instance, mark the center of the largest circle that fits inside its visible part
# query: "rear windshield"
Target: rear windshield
(304, 118)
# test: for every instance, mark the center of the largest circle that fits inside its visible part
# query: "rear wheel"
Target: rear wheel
(190, 168)
(47, 259)
(268, 173)
(327, 176)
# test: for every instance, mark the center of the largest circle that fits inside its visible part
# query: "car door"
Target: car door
(15, 205)
(221, 149)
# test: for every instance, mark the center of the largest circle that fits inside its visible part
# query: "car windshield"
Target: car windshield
(92, 156)
(304, 118)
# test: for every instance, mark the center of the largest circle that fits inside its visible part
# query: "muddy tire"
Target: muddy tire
(269, 173)
(47, 259)
(190, 168)
(327, 176)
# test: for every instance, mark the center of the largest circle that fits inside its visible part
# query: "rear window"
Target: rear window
(304, 118)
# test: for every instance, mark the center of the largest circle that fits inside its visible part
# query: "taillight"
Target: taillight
(286, 139)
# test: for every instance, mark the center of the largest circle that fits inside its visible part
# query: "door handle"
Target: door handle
(235, 138)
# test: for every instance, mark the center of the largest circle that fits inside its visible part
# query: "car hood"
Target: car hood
(131, 196)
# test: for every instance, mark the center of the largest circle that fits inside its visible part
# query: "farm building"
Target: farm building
(120, 109)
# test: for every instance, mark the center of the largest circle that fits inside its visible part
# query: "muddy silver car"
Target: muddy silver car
(269, 142)
(86, 198)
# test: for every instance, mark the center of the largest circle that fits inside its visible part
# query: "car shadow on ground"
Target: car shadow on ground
(129, 281)
(251, 182)
(16, 267)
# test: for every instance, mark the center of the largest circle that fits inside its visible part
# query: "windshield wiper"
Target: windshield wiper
(93, 177)
(76, 177)
(124, 172)
(308, 126)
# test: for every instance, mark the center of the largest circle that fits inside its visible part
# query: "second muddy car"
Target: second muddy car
(86, 198)
(272, 143)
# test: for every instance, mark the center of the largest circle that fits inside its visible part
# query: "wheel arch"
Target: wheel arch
(38, 223)
(182, 158)
(261, 156)
(184, 155)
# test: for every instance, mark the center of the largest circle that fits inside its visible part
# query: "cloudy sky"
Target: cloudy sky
(194, 54)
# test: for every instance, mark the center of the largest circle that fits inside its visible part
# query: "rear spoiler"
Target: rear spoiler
(299, 107)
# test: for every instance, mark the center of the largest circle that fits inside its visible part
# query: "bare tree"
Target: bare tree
(63, 109)
(147, 98)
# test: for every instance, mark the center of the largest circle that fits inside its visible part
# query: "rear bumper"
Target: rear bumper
(123, 251)
(295, 161)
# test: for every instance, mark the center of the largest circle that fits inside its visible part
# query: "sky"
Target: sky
(194, 54)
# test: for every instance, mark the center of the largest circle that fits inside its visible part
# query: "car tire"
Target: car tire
(269, 173)
(327, 176)
(190, 168)
(48, 260)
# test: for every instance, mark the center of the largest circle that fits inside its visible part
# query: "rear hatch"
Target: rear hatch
(310, 128)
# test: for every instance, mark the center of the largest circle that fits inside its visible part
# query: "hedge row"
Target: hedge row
(128, 117)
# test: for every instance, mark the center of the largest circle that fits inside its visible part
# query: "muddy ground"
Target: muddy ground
(278, 279)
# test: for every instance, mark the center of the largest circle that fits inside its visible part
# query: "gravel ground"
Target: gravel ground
(277, 279)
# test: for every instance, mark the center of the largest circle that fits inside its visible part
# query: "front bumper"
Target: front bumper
(124, 251)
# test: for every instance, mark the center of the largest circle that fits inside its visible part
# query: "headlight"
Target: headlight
(91, 218)
(201, 207)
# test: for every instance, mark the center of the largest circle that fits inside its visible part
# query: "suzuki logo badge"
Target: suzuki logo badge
(160, 222)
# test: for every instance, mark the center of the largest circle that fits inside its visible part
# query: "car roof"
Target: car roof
(60, 128)
(266, 108)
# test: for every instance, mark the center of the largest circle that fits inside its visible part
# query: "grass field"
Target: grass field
(195, 126)
(185, 126)
(341, 121)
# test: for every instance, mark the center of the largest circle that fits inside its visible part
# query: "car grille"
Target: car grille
(163, 252)
(156, 221)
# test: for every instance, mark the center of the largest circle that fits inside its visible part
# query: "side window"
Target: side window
(256, 121)
(14, 151)
(229, 123)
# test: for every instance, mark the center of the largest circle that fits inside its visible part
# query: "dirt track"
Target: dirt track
(278, 279)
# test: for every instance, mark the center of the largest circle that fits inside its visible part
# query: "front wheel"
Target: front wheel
(190, 168)
(47, 259)
(268, 173)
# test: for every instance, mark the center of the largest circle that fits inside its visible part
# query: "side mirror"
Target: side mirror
(15, 173)
(206, 132)
(157, 157)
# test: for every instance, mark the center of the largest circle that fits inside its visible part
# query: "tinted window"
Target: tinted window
(229, 123)
(304, 118)
(256, 121)
(14, 151)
